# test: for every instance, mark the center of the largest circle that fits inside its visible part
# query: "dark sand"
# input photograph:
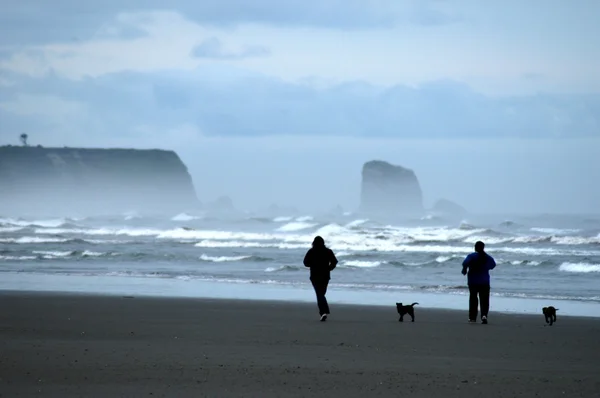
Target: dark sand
(90, 346)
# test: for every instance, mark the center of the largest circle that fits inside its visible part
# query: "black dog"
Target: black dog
(550, 314)
(406, 309)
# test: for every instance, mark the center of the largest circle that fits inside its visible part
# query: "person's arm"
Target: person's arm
(307, 258)
(465, 264)
(332, 261)
(491, 263)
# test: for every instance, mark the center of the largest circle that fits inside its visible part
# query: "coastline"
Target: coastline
(203, 289)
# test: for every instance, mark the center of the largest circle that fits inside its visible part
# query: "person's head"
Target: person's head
(479, 246)
(318, 242)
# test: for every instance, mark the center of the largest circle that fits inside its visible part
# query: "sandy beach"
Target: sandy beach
(58, 345)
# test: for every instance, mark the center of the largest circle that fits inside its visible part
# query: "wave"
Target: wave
(466, 226)
(53, 223)
(221, 259)
(89, 253)
(53, 255)
(37, 239)
(525, 262)
(283, 268)
(555, 231)
(296, 226)
(378, 246)
(356, 223)
(184, 217)
(362, 264)
(575, 240)
(207, 243)
(443, 259)
(18, 258)
(4, 229)
(579, 267)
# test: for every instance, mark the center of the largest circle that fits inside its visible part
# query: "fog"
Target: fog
(283, 102)
(485, 176)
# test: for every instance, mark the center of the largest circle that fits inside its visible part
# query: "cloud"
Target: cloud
(210, 102)
(29, 22)
(212, 48)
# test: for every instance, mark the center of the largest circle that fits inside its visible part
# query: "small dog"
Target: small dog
(406, 309)
(550, 314)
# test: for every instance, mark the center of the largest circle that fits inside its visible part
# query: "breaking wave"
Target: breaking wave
(579, 267)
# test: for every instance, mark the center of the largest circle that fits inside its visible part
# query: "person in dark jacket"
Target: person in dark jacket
(321, 261)
(477, 267)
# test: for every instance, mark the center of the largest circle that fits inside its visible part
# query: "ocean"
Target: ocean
(542, 260)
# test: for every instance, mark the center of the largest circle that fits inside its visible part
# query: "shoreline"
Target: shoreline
(164, 288)
(64, 345)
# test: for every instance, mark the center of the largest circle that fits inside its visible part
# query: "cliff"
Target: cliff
(92, 181)
(390, 190)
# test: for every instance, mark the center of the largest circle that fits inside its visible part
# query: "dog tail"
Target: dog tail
(413, 304)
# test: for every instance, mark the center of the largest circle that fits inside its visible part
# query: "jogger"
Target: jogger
(477, 267)
(321, 261)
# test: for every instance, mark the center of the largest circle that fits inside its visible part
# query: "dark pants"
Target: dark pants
(483, 291)
(320, 286)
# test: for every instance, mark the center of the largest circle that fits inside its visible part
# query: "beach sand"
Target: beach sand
(58, 345)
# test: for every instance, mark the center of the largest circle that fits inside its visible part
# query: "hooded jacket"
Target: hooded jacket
(321, 261)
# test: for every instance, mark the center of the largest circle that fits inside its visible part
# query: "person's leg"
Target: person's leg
(473, 302)
(324, 303)
(484, 296)
(320, 291)
(317, 289)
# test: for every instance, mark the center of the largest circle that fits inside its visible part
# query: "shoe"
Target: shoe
(484, 320)
(472, 321)
(324, 317)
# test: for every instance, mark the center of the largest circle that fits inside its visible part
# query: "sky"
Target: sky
(495, 105)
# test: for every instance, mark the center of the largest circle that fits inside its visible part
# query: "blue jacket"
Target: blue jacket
(478, 268)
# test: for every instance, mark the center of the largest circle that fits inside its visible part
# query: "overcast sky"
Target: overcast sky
(494, 104)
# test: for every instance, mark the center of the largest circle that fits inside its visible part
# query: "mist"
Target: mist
(484, 176)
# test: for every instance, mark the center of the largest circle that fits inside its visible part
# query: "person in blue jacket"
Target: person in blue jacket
(477, 267)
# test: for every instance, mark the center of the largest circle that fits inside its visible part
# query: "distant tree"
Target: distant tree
(24, 139)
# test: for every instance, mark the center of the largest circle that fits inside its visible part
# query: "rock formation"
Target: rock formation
(93, 181)
(448, 208)
(390, 190)
(223, 204)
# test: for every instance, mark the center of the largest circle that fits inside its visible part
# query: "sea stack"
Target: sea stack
(37, 180)
(390, 190)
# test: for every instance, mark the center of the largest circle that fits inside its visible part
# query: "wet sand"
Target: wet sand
(59, 345)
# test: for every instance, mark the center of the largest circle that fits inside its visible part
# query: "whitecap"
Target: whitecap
(579, 267)
(356, 223)
(221, 259)
(88, 253)
(555, 231)
(184, 217)
(295, 226)
(362, 264)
